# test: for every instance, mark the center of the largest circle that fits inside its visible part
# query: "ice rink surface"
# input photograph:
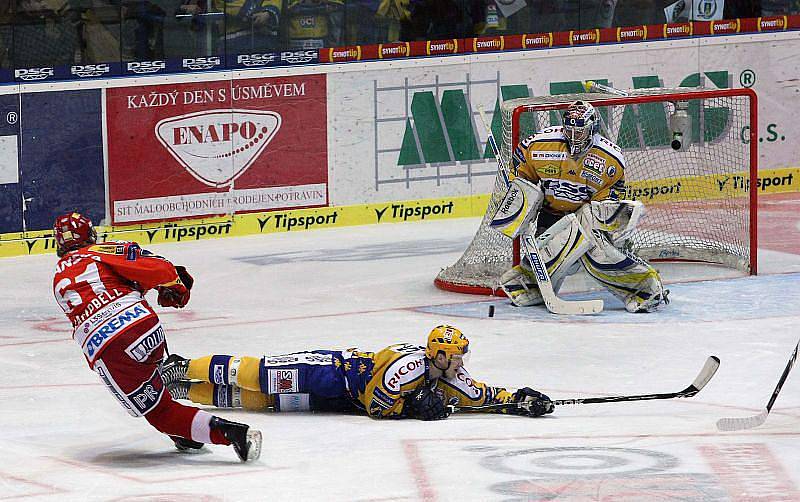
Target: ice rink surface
(65, 438)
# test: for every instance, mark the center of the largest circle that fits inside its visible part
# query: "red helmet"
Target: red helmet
(72, 231)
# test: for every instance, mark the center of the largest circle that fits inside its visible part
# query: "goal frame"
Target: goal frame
(614, 100)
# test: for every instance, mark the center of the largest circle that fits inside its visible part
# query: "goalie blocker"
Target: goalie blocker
(594, 236)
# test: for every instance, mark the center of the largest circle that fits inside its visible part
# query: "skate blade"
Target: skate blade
(254, 440)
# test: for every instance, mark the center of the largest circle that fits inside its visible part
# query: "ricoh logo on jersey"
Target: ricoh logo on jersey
(201, 63)
(144, 67)
(29, 74)
(469, 387)
(251, 60)
(299, 57)
(113, 326)
(89, 70)
(402, 371)
(201, 141)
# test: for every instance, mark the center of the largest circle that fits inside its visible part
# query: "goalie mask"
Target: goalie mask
(72, 231)
(580, 124)
(449, 340)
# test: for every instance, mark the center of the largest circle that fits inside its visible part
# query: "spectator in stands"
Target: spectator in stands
(100, 32)
(374, 21)
(44, 37)
(6, 30)
(444, 19)
(253, 26)
(636, 12)
(314, 24)
(142, 30)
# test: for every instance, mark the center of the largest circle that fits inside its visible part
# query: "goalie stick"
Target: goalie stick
(742, 423)
(709, 369)
(553, 303)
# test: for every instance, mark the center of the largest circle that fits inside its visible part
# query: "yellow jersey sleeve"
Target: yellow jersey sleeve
(471, 392)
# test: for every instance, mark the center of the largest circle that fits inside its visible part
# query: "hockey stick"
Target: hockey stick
(553, 303)
(495, 149)
(738, 424)
(705, 375)
(591, 85)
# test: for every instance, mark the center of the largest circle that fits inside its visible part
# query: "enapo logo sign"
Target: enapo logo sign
(210, 148)
(207, 143)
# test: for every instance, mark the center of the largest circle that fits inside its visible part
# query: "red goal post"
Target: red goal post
(699, 205)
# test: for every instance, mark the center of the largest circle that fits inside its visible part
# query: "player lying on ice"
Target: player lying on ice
(101, 289)
(400, 381)
(573, 183)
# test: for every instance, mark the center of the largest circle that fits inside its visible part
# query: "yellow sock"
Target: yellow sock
(256, 401)
(247, 374)
(198, 369)
(204, 393)
(201, 393)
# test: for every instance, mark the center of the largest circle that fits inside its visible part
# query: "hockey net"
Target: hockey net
(698, 203)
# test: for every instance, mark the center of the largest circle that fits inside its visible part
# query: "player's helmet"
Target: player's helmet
(580, 124)
(73, 231)
(447, 339)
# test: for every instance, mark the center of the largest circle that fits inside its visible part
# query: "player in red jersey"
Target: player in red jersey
(101, 289)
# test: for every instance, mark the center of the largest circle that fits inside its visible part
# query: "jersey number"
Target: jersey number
(70, 298)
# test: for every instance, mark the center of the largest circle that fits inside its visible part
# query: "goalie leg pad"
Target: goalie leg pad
(617, 219)
(520, 206)
(626, 276)
(561, 248)
(520, 286)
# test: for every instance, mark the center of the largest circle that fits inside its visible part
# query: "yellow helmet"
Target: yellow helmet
(447, 339)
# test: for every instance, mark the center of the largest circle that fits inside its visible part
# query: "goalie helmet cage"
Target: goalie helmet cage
(699, 206)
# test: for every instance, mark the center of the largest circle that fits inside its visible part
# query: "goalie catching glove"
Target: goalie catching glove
(531, 403)
(176, 294)
(425, 404)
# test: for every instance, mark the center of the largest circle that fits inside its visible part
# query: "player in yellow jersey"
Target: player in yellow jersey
(574, 170)
(400, 381)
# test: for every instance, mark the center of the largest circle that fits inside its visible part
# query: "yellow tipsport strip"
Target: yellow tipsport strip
(714, 186)
(39, 242)
(663, 190)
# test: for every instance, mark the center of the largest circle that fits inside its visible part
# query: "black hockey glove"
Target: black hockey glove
(425, 404)
(532, 403)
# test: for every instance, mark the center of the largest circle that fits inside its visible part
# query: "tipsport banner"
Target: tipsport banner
(210, 148)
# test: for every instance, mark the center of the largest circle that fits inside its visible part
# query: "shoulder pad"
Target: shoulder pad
(555, 133)
(403, 370)
(610, 148)
(606, 144)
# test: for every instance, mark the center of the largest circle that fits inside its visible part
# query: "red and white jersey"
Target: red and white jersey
(101, 287)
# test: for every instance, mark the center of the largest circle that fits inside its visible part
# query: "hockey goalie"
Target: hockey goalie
(567, 197)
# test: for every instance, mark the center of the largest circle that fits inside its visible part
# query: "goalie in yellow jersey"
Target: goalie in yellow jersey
(400, 381)
(572, 181)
